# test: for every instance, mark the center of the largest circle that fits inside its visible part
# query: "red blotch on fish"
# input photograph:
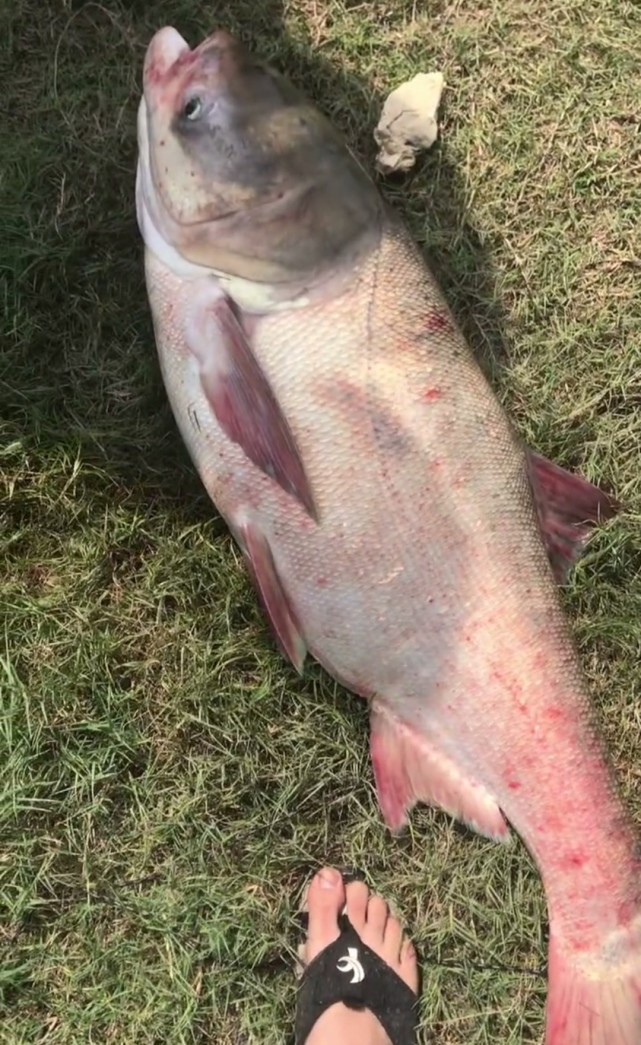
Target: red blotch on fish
(437, 321)
(432, 395)
(153, 74)
(158, 71)
(550, 826)
(626, 913)
(511, 778)
(574, 861)
(509, 684)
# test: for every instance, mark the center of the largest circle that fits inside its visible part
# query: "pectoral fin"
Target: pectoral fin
(241, 398)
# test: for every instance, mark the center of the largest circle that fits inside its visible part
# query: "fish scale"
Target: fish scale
(397, 530)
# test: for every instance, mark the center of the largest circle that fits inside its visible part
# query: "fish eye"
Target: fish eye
(193, 108)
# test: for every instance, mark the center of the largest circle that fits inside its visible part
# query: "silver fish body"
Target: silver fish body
(394, 526)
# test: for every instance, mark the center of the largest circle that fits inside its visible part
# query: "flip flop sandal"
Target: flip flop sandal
(350, 972)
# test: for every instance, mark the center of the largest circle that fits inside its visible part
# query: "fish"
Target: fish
(394, 525)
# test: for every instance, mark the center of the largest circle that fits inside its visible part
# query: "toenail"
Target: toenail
(329, 879)
(353, 874)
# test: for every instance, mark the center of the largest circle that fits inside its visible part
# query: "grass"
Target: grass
(167, 782)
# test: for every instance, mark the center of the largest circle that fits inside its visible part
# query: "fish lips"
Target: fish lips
(170, 63)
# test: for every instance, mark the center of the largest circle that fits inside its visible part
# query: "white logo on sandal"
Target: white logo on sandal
(350, 963)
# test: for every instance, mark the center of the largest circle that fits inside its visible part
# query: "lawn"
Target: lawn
(168, 783)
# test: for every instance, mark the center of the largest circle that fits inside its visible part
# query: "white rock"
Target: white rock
(408, 122)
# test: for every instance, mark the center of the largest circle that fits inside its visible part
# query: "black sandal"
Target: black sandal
(350, 972)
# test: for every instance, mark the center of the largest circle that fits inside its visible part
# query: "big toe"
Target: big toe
(325, 901)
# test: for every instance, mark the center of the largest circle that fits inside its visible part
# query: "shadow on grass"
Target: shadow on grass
(82, 372)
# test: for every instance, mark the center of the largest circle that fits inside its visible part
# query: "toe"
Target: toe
(393, 940)
(377, 912)
(325, 900)
(408, 968)
(356, 897)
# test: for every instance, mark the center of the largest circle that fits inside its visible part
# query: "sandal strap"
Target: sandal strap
(349, 971)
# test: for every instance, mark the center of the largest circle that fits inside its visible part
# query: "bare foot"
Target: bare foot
(327, 896)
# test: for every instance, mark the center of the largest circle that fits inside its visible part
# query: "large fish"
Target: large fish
(393, 524)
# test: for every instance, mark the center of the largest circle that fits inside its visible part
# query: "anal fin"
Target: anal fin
(272, 595)
(410, 768)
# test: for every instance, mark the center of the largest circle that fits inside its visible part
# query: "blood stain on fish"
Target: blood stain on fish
(574, 861)
(437, 321)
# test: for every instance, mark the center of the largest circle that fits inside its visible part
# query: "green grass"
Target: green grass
(167, 782)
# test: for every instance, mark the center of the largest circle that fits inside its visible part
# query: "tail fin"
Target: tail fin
(599, 1009)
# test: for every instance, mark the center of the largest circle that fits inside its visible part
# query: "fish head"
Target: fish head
(219, 135)
(238, 171)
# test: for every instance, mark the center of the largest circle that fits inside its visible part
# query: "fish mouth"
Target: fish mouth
(166, 49)
(170, 63)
